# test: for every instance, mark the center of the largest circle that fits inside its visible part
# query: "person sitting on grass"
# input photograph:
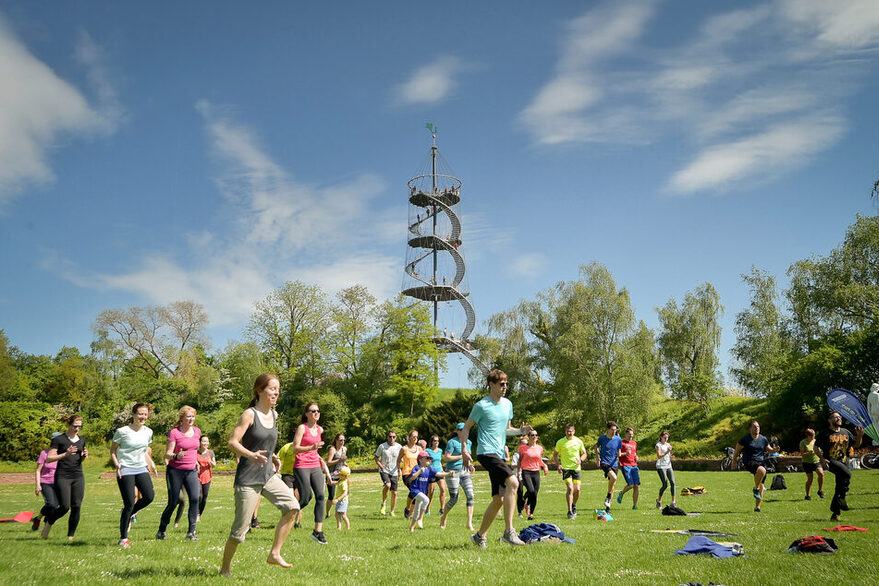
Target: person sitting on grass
(419, 479)
(629, 466)
(340, 498)
(607, 452)
(753, 449)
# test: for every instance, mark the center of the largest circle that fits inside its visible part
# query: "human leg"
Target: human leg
(77, 492)
(203, 497)
(174, 481)
(193, 490)
(663, 478)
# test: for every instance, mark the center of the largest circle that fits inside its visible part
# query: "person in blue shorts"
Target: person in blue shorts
(461, 479)
(607, 453)
(629, 466)
(752, 447)
(494, 414)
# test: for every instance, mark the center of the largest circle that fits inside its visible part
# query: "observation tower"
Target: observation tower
(435, 269)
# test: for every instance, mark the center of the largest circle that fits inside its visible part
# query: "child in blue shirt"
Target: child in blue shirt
(419, 479)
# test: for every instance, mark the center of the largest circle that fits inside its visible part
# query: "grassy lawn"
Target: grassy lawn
(380, 550)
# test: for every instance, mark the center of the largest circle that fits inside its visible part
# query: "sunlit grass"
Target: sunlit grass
(380, 550)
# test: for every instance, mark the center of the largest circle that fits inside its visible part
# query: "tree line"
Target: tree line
(576, 352)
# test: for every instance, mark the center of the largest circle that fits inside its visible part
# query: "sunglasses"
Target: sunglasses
(77, 426)
(532, 435)
(314, 410)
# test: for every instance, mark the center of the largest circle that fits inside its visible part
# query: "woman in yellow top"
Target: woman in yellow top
(407, 460)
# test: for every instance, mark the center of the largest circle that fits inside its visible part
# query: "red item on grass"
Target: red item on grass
(846, 528)
(22, 517)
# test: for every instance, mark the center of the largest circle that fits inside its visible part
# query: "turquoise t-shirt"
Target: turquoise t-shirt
(493, 420)
(437, 455)
(453, 448)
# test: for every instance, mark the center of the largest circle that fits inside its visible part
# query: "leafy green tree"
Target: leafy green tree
(688, 343)
(601, 357)
(764, 346)
(838, 293)
(8, 374)
(290, 325)
(241, 363)
(353, 319)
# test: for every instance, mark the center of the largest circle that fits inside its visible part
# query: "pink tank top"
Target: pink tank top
(311, 458)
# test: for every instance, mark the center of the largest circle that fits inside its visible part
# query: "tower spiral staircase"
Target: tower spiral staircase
(435, 268)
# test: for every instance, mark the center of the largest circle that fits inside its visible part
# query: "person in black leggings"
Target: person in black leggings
(69, 451)
(180, 454)
(132, 457)
(310, 469)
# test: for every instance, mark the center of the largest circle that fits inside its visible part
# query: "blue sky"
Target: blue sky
(153, 152)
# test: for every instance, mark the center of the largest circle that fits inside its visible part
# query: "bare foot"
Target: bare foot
(412, 529)
(470, 528)
(225, 573)
(442, 524)
(278, 561)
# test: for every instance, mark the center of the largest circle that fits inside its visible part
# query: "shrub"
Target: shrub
(25, 429)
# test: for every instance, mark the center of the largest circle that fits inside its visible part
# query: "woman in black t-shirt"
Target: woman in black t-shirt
(68, 449)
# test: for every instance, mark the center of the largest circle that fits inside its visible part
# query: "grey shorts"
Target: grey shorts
(246, 498)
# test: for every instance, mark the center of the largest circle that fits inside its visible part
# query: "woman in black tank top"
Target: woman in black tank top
(253, 440)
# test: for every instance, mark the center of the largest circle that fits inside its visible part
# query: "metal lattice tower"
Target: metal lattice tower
(435, 269)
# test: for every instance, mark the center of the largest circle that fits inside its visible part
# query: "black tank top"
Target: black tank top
(258, 437)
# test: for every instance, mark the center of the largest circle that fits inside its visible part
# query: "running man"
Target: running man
(753, 449)
(386, 456)
(493, 414)
(832, 446)
(629, 465)
(607, 453)
(569, 453)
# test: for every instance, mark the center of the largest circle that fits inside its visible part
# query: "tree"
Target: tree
(600, 356)
(8, 374)
(688, 342)
(764, 346)
(838, 293)
(353, 318)
(405, 346)
(290, 325)
(579, 346)
(156, 340)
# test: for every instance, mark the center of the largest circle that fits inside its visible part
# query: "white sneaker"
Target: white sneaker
(512, 538)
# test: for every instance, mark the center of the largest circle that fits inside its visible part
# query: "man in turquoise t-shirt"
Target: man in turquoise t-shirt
(493, 414)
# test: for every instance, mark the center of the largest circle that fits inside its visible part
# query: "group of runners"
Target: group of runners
(296, 474)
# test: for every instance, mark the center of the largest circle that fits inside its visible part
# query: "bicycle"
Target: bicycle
(726, 462)
(870, 461)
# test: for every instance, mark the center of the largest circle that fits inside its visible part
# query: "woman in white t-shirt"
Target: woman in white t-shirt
(132, 456)
(663, 467)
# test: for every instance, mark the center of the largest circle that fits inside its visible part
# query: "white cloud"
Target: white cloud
(276, 219)
(739, 91)
(37, 108)
(528, 265)
(853, 24)
(91, 57)
(558, 112)
(778, 148)
(430, 83)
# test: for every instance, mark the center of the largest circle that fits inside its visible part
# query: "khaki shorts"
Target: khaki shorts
(246, 498)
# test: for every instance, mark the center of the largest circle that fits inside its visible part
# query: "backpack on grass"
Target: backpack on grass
(673, 510)
(693, 490)
(813, 544)
(778, 483)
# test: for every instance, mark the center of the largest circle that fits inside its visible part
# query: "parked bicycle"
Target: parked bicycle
(726, 462)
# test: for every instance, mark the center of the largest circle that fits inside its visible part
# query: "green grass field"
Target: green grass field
(380, 550)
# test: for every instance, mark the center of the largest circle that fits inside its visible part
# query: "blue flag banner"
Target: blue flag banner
(852, 410)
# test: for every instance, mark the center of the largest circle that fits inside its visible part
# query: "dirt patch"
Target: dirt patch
(17, 478)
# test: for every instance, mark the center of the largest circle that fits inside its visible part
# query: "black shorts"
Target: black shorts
(498, 471)
(606, 468)
(290, 481)
(752, 467)
(388, 479)
(572, 474)
(810, 467)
